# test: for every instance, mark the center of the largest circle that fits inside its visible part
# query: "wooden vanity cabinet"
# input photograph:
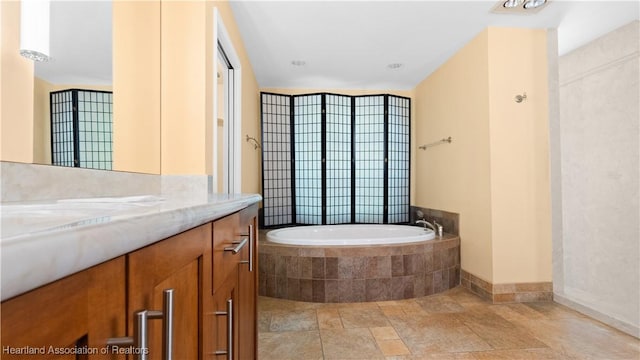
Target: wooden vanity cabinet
(89, 307)
(248, 287)
(81, 310)
(233, 286)
(102, 302)
(176, 263)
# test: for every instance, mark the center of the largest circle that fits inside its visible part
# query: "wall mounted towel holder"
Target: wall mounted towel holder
(441, 141)
(253, 142)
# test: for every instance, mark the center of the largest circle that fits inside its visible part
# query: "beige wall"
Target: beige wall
(179, 88)
(183, 91)
(16, 90)
(136, 80)
(495, 173)
(519, 142)
(41, 121)
(454, 101)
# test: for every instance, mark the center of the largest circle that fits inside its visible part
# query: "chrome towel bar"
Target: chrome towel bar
(441, 141)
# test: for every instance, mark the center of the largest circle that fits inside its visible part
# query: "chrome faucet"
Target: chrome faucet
(425, 223)
(439, 228)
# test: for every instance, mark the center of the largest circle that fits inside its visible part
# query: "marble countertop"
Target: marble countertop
(41, 242)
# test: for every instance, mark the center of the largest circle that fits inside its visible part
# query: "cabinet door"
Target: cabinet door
(224, 320)
(175, 263)
(77, 312)
(247, 283)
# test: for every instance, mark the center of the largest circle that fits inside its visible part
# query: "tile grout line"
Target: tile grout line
(320, 333)
(398, 332)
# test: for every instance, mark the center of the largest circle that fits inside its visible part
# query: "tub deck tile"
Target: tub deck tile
(398, 274)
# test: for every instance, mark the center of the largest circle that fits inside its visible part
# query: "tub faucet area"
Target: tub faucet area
(425, 223)
(437, 228)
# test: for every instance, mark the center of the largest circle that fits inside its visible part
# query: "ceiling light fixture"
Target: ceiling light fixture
(298, 62)
(527, 7)
(512, 3)
(394, 66)
(34, 29)
(533, 4)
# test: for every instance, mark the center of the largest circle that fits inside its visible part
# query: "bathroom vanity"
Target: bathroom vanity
(192, 293)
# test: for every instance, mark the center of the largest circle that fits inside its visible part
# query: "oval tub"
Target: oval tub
(353, 263)
(350, 235)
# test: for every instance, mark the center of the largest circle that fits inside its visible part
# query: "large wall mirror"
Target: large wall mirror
(81, 50)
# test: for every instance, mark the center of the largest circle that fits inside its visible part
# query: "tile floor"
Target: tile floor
(452, 325)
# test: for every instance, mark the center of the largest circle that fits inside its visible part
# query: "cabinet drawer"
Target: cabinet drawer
(227, 236)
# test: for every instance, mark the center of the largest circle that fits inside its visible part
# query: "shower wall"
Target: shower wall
(597, 252)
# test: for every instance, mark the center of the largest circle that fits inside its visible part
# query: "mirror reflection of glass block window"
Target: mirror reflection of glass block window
(81, 128)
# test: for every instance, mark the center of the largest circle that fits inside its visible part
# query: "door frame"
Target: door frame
(232, 113)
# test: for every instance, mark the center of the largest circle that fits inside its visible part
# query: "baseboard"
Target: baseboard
(507, 293)
(615, 323)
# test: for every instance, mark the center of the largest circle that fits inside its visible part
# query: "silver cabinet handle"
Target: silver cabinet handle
(141, 340)
(141, 333)
(229, 314)
(251, 244)
(230, 329)
(167, 324)
(236, 249)
(166, 315)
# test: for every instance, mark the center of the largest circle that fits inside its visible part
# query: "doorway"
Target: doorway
(225, 130)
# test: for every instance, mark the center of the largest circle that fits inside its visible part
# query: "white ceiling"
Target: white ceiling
(346, 44)
(79, 43)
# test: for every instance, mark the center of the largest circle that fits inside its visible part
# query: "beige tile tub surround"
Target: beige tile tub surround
(358, 273)
(507, 293)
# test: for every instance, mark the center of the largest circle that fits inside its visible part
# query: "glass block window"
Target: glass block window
(81, 128)
(398, 150)
(307, 131)
(338, 159)
(369, 159)
(276, 159)
(333, 159)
